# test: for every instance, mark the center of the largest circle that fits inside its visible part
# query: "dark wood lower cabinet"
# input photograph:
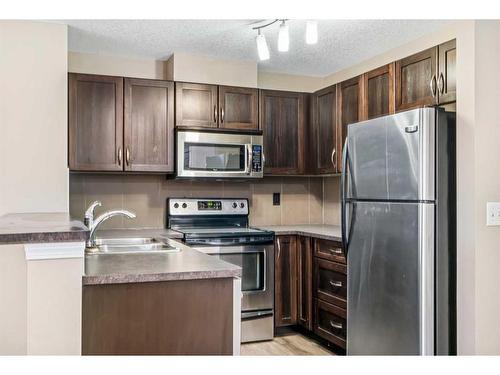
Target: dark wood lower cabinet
(311, 287)
(140, 318)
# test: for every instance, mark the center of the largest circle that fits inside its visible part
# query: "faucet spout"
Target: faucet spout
(102, 218)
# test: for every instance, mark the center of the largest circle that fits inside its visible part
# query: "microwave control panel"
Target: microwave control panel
(256, 158)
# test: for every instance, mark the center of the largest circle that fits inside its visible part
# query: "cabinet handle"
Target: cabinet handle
(215, 113)
(336, 325)
(433, 86)
(336, 251)
(222, 115)
(279, 248)
(337, 284)
(127, 156)
(334, 163)
(120, 156)
(441, 83)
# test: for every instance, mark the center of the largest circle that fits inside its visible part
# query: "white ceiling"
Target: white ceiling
(342, 43)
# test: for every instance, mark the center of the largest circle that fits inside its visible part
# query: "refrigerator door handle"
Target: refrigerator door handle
(343, 196)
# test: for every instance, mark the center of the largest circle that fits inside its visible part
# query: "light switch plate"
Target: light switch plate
(492, 213)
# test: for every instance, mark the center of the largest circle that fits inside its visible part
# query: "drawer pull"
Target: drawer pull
(337, 284)
(336, 251)
(336, 325)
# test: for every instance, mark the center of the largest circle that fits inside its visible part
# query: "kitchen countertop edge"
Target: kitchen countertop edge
(320, 231)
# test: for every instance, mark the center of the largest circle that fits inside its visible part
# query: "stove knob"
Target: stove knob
(242, 205)
(235, 205)
(176, 205)
(184, 205)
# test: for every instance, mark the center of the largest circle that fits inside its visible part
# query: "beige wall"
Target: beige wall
(33, 117)
(301, 197)
(116, 66)
(289, 82)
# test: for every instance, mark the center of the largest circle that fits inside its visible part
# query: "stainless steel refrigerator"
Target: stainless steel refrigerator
(399, 233)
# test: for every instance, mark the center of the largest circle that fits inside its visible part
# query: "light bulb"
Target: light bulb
(262, 49)
(283, 38)
(312, 32)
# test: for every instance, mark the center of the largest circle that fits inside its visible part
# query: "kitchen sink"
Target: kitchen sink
(131, 245)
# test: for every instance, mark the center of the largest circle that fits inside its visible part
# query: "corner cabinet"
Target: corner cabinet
(95, 123)
(304, 282)
(211, 106)
(282, 120)
(323, 132)
(378, 92)
(112, 128)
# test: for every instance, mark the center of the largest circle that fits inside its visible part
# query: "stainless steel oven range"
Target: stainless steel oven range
(219, 227)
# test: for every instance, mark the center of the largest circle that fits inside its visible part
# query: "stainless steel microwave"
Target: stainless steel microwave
(219, 154)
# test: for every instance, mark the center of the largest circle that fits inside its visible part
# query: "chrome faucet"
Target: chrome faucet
(93, 224)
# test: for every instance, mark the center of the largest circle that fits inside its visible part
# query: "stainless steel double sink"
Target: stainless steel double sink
(132, 245)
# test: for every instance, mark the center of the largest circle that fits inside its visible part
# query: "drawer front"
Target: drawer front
(329, 250)
(330, 282)
(330, 323)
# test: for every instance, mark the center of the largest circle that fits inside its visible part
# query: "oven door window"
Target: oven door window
(214, 157)
(252, 269)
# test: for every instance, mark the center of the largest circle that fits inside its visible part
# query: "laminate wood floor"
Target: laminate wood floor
(294, 344)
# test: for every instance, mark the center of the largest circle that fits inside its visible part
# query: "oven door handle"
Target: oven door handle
(256, 314)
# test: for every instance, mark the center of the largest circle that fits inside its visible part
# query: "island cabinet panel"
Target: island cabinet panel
(149, 125)
(196, 105)
(416, 80)
(282, 120)
(447, 61)
(171, 317)
(238, 108)
(378, 92)
(349, 110)
(95, 122)
(285, 281)
(304, 269)
(323, 148)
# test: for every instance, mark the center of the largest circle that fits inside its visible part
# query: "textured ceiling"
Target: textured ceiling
(342, 43)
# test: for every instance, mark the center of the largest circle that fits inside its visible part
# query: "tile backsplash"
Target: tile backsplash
(304, 200)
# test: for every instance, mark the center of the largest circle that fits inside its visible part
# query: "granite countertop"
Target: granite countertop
(41, 227)
(188, 264)
(322, 231)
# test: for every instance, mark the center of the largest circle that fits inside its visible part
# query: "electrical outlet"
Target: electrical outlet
(276, 199)
(492, 213)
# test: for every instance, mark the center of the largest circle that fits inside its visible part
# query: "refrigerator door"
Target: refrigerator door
(390, 295)
(392, 157)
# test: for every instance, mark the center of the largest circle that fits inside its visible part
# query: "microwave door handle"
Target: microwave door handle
(248, 160)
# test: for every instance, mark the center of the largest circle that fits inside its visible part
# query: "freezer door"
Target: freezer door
(392, 157)
(390, 279)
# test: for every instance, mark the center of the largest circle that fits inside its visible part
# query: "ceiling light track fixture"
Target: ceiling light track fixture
(283, 37)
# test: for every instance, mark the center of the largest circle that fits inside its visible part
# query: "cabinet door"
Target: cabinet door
(95, 122)
(282, 121)
(349, 110)
(149, 125)
(285, 284)
(447, 83)
(238, 108)
(378, 92)
(196, 105)
(304, 262)
(324, 117)
(416, 80)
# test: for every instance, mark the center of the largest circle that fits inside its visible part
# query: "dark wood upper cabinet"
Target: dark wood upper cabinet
(323, 149)
(416, 80)
(285, 281)
(282, 119)
(304, 269)
(95, 122)
(196, 105)
(238, 108)
(149, 125)
(349, 110)
(447, 83)
(378, 92)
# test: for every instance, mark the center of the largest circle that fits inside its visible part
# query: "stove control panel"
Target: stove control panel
(212, 206)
